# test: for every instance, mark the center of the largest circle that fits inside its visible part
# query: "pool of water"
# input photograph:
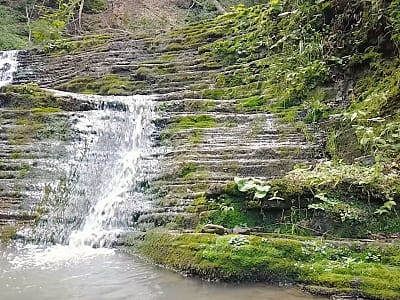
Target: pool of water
(84, 273)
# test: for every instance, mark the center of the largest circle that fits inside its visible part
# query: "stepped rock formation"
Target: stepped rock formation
(219, 141)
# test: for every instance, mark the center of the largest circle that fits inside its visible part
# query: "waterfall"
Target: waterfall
(108, 163)
(8, 66)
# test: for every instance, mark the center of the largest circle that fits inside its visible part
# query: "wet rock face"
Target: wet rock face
(39, 139)
(205, 135)
(211, 228)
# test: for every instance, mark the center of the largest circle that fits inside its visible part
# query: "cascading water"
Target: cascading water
(8, 66)
(108, 162)
(112, 209)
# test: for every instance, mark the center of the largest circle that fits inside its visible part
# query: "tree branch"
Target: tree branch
(219, 7)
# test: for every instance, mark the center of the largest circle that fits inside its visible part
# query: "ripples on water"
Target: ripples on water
(62, 272)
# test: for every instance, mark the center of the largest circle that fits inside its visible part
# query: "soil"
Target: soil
(138, 16)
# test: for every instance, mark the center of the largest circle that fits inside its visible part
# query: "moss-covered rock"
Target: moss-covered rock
(108, 84)
(365, 269)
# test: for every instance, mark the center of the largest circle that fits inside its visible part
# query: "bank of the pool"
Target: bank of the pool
(357, 268)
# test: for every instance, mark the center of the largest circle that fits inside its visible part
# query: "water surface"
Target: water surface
(67, 273)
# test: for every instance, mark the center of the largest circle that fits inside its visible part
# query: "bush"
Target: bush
(12, 30)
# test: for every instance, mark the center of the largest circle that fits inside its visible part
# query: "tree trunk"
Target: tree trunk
(28, 24)
(80, 15)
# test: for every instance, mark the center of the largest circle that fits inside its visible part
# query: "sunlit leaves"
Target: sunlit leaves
(253, 185)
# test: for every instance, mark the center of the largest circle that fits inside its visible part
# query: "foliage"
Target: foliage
(394, 16)
(51, 23)
(12, 29)
(339, 209)
(259, 188)
(362, 182)
(386, 208)
(94, 6)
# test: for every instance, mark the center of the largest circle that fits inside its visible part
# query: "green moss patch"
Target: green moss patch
(31, 96)
(189, 127)
(75, 46)
(7, 232)
(36, 114)
(369, 270)
(109, 84)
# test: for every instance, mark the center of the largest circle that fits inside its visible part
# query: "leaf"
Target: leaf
(274, 197)
(321, 197)
(316, 206)
(239, 180)
(259, 195)
(263, 188)
(244, 184)
(261, 191)
(353, 117)
(247, 186)
(389, 204)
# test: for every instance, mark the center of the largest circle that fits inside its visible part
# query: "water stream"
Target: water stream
(106, 164)
(105, 167)
(8, 66)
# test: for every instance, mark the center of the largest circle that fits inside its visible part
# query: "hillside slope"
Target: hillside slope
(252, 94)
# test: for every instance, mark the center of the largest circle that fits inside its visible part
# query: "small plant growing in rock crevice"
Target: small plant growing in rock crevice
(252, 185)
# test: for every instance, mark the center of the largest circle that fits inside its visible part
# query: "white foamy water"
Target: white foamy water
(8, 66)
(108, 162)
(39, 256)
(105, 219)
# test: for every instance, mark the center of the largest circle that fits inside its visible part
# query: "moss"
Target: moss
(25, 132)
(187, 169)
(196, 137)
(31, 96)
(190, 127)
(23, 171)
(37, 118)
(76, 46)
(145, 73)
(108, 84)
(175, 47)
(16, 155)
(237, 92)
(255, 103)
(235, 258)
(45, 110)
(7, 232)
(198, 121)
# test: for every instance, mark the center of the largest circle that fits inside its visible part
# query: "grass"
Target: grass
(12, 28)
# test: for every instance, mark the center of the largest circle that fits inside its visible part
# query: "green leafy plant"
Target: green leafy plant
(337, 208)
(253, 185)
(386, 208)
